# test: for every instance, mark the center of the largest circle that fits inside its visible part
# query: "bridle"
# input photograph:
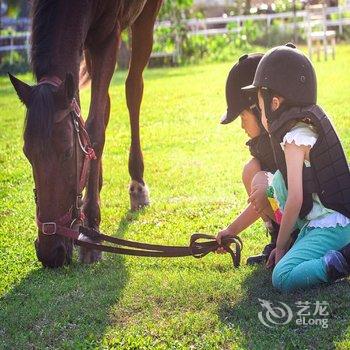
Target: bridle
(74, 217)
(82, 145)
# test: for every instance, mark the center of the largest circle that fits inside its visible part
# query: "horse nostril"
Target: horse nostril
(59, 256)
(52, 258)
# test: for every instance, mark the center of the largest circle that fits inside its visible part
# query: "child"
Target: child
(245, 105)
(312, 188)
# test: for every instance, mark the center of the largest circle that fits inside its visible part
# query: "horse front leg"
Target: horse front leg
(142, 41)
(103, 61)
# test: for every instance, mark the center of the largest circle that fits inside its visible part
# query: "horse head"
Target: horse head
(49, 145)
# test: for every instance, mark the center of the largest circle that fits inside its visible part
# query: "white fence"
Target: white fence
(207, 26)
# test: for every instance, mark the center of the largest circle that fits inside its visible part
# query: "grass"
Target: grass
(193, 168)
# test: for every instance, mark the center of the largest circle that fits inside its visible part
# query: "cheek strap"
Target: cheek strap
(267, 97)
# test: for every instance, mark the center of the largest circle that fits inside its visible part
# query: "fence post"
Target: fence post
(177, 53)
(28, 46)
(11, 50)
(268, 24)
(295, 36)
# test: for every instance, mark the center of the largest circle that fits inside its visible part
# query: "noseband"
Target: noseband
(75, 217)
(82, 145)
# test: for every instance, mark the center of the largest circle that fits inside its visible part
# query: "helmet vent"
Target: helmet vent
(243, 58)
(291, 45)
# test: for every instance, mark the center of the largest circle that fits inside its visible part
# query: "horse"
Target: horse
(65, 155)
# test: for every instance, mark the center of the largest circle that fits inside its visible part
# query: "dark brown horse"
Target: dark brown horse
(62, 33)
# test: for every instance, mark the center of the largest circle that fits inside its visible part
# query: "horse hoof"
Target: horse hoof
(88, 256)
(139, 195)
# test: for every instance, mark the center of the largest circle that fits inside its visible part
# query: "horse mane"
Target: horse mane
(44, 13)
(40, 115)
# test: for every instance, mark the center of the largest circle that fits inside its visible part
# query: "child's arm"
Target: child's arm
(244, 220)
(295, 156)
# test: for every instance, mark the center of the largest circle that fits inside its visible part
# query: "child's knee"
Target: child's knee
(260, 179)
(249, 171)
(277, 278)
(280, 278)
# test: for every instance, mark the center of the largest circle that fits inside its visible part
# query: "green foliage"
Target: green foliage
(287, 5)
(239, 7)
(17, 62)
(194, 48)
(193, 166)
(345, 35)
(216, 48)
(276, 34)
(175, 9)
(219, 48)
(163, 40)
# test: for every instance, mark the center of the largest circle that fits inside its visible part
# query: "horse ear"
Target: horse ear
(69, 87)
(23, 90)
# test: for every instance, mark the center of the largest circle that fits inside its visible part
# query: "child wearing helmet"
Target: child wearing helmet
(311, 188)
(244, 105)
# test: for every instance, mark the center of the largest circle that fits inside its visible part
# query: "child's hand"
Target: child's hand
(280, 253)
(224, 233)
(258, 198)
(275, 256)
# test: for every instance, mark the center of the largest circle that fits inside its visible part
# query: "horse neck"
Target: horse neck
(58, 32)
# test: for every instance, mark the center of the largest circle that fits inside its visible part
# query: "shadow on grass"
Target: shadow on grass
(242, 315)
(68, 307)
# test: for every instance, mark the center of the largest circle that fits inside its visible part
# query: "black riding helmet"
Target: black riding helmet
(241, 74)
(286, 71)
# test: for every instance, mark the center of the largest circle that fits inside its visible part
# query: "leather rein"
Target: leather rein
(199, 246)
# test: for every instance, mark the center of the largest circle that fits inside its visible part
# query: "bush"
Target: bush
(163, 40)
(219, 47)
(18, 64)
(278, 33)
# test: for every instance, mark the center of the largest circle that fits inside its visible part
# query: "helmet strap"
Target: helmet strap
(257, 113)
(267, 97)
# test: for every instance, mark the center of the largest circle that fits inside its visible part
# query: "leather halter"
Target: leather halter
(82, 145)
(63, 226)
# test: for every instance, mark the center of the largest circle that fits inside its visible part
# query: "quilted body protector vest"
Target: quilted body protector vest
(260, 147)
(329, 174)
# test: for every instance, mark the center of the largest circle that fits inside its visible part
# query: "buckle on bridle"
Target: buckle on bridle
(45, 229)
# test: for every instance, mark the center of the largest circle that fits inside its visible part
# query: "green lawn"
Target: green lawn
(193, 168)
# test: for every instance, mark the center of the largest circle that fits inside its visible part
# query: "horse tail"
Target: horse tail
(85, 70)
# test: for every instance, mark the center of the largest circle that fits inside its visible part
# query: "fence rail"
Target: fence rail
(205, 26)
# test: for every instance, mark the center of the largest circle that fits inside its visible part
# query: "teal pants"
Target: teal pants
(303, 266)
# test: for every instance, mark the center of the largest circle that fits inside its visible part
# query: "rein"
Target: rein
(200, 244)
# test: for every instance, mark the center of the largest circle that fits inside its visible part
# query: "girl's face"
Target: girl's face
(250, 124)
